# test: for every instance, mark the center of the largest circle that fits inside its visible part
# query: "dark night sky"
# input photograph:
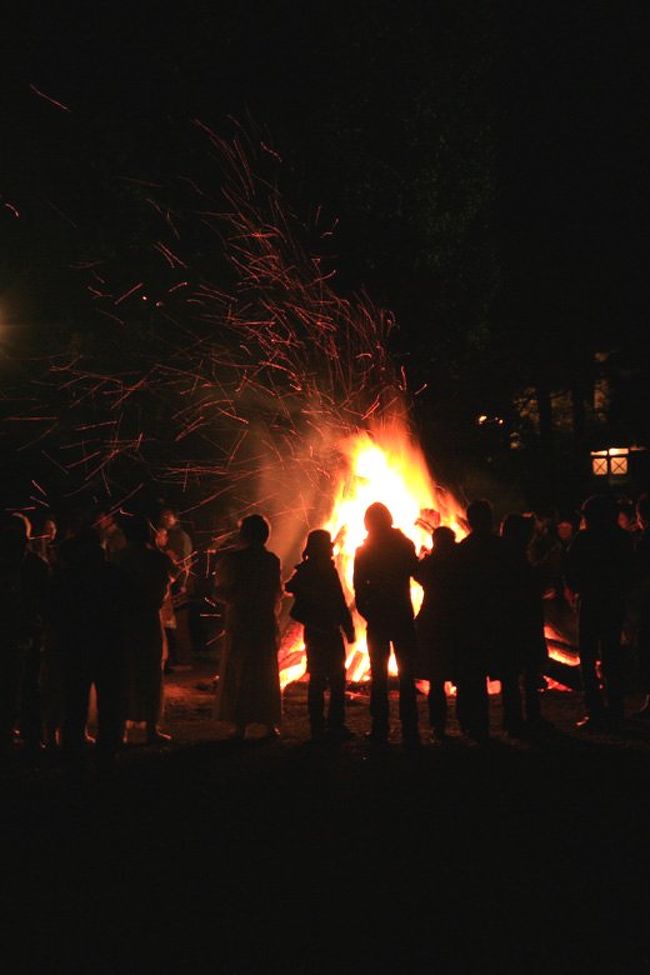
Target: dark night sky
(565, 93)
(487, 161)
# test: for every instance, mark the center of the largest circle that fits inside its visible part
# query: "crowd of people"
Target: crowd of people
(107, 607)
(482, 617)
(102, 607)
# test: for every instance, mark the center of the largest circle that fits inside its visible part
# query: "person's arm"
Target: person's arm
(345, 615)
(409, 557)
(279, 589)
(292, 585)
(421, 572)
(360, 582)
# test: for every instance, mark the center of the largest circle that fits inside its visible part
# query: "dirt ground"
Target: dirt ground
(284, 856)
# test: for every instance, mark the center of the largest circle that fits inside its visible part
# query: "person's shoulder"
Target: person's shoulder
(403, 540)
(269, 557)
(467, 545)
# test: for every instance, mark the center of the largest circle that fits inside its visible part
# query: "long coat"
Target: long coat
(482, 590)
(435, 622)
(148, 573)
(248, 581)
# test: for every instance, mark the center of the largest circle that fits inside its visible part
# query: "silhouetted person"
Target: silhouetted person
(599, 570)
(111, 534)
(249, 583)
(167, 614)
(481, 616)
(383, 568)
(642, 599)
(179, 545)
(88, 603)
(546, 551)
(321, 607)
(148, 573)
(23, 596)
(524, 649)
(435, 623)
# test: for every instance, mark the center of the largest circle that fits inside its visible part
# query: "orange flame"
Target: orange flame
(391, 469)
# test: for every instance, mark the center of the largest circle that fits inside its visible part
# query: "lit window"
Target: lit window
(618, 465)
(599, 465)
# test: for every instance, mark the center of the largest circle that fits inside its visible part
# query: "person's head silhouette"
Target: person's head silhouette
(600, 511)
(480, 516)
(518, 529)
(378, 519)
(319, 545)
(443, 539)
(254, 530)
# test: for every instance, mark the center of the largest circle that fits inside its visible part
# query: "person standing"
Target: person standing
(88, 601)
(148, 575)
(524, 650)
(179, 547)
(321, 607)
(167, 614)
(112, 537)
(642, 599)
(24, 580)
(434, 624)
(481, 583)
(383, 568)
(599, 573)
(249, 583)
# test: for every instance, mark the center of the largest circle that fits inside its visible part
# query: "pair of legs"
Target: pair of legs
(402, 638)
(472, 703)
(437, 702)
(511, 700)
(144, 674)
(83, 668)
(600, 639)
(318, 684)
(326, 664)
